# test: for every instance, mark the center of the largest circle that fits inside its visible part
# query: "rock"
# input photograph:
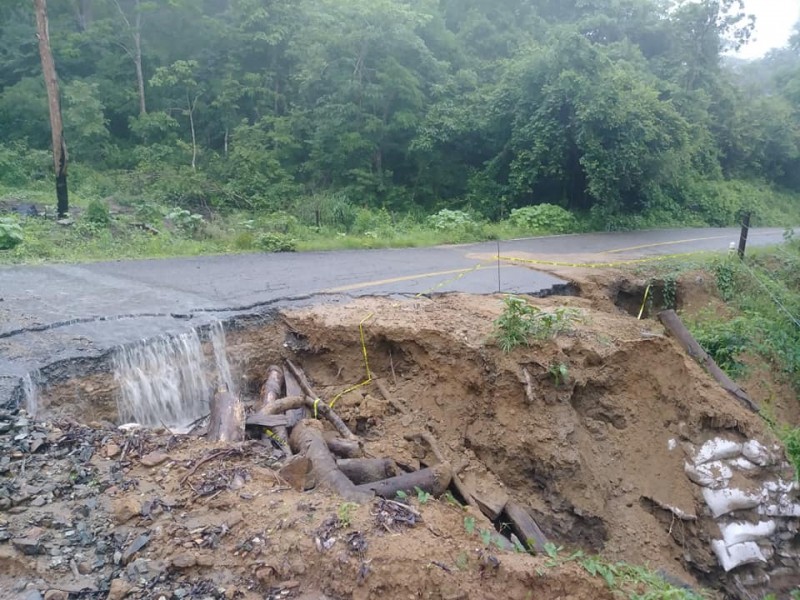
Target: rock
(39, 501)
(184, 560)
(56, 595)
(154, 459)
(134, 547)
(125, 509)
(118, 590)
(84, 568)
(32, 595)
(30, 545)
(111, 450)
(296, 472)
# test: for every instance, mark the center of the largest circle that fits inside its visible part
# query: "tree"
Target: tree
(134, 50)
(179, 80)
(54, 101)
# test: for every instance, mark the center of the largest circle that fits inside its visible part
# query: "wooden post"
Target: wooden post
(745, 231)
(54, 103)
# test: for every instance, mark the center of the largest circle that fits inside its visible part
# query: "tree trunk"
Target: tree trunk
(137, 60)
(270, 392)
(675, 326)
(367, 470)
(227, 418)
(84, 14)
(526, 528)
(435, 481)
(192, 105)
(54, 102)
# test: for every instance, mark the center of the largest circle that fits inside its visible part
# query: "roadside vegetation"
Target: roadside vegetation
(274, 126)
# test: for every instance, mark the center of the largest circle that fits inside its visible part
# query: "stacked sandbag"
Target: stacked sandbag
(750, 493)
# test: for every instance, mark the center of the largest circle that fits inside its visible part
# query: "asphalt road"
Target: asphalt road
(55, 312)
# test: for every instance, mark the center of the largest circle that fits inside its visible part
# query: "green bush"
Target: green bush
(371, 223)
(10, 234)
(725, 341)
(451, 220)
(97, 213)
(187, 222)
(521, 322)
(276, 242)
(545, 218)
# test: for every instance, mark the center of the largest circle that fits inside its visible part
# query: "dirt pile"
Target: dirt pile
(588, 432)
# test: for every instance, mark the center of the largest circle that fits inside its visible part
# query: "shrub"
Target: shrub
(189, 223)
(544, 217)
(451, 220)
(10, 234)
(276, 242)
(520, 322)
(371, 222)
(97, 213)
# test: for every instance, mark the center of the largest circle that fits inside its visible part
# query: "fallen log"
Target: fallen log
(270, 392)
(293, 389)
(307, 439)
(302, 380)
(270, 421)
(525, 527)
(434, 481)
(227, 418)
(675, 326)
(461, 488)
(342, 447)
(367, 470)
(291, 402)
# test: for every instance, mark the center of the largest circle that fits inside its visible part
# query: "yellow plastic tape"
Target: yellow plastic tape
(644, 301)
(621, 263)
(369, 378)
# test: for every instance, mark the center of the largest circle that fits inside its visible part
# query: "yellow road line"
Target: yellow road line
(368, 284)
(689, 241)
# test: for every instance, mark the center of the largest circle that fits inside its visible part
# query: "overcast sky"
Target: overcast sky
(775, 21)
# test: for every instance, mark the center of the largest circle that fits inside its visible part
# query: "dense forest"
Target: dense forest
(607, 108)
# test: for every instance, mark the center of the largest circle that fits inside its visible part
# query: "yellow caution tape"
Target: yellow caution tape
(621, 263)
(369, 378)
(644, 300)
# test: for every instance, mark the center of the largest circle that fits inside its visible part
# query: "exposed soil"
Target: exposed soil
(595, 458)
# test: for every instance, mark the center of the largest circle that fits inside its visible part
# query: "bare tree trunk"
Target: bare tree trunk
(54, 102)
(84, 14)
(137, 59)
(191, 125)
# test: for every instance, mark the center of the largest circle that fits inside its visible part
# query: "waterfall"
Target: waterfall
(30, 398)
(224, 379)
(167, 381)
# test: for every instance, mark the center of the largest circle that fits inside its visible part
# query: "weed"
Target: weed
(423, 497)
(559, 372)
(401, 495)
(521, 322)
(725, 272)
(345, 513)
(98, 214)
(670, 291)
(544, 217)
(486, 537)
(462, 561)
(187, 222)
(469, 525)
(451, 500)
(276, 242)
(791, 440)
(10, 234)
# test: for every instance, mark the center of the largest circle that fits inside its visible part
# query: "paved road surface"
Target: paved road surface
(55, 312)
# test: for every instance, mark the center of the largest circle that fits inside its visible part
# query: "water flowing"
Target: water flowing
(30, 398)
(218, 343)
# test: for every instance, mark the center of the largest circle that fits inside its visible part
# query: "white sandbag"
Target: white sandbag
(714, 474)
(737, 533)
(781, 509)
(722, 502)
(781, 487)
(737, 555)
(717, 449)
(742, 464)
(757, 453)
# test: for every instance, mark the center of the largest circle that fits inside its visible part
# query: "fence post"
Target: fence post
(743, 238)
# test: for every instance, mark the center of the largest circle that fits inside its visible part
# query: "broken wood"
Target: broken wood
(525, 527)
(227, 421)
(291, 402)
(270, 392)
(434, 481)
(307, 439)
(341, 447)
(528, 385)
(293, 389)
(675, 326)
(389, 398)
(302, 380)
(457, 482)
(367, 470)
(271, 421)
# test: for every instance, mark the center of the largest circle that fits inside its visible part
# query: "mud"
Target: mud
(595, 457)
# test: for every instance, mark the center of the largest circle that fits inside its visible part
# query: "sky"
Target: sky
(775, 21)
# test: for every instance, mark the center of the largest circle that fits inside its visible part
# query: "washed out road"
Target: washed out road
(55, 312)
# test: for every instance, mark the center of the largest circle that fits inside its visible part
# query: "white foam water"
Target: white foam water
(218, 343)
(30, 398)
(162, 381)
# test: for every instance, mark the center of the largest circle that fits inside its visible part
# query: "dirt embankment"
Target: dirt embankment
(595, 453)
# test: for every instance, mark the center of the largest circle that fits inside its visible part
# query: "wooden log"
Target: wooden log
(270, 392)
(434, 480)
(462, 489)
(367, 470)
(293, 389)
(307, 439)
(291, 402)
(270, 421)
(525, 527)
(227, 421)
(342, 447)
(675, 326)
(302, 380)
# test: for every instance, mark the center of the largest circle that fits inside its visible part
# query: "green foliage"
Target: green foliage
(791, 440)
(450, 220)
(544, 218)
(345, 513)
(725, 272)
(97, 213)
(10, 234)
(469, 525)
(276, 242)
(522, 322)
(559, 373)
(423, 497)
(189, 223)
